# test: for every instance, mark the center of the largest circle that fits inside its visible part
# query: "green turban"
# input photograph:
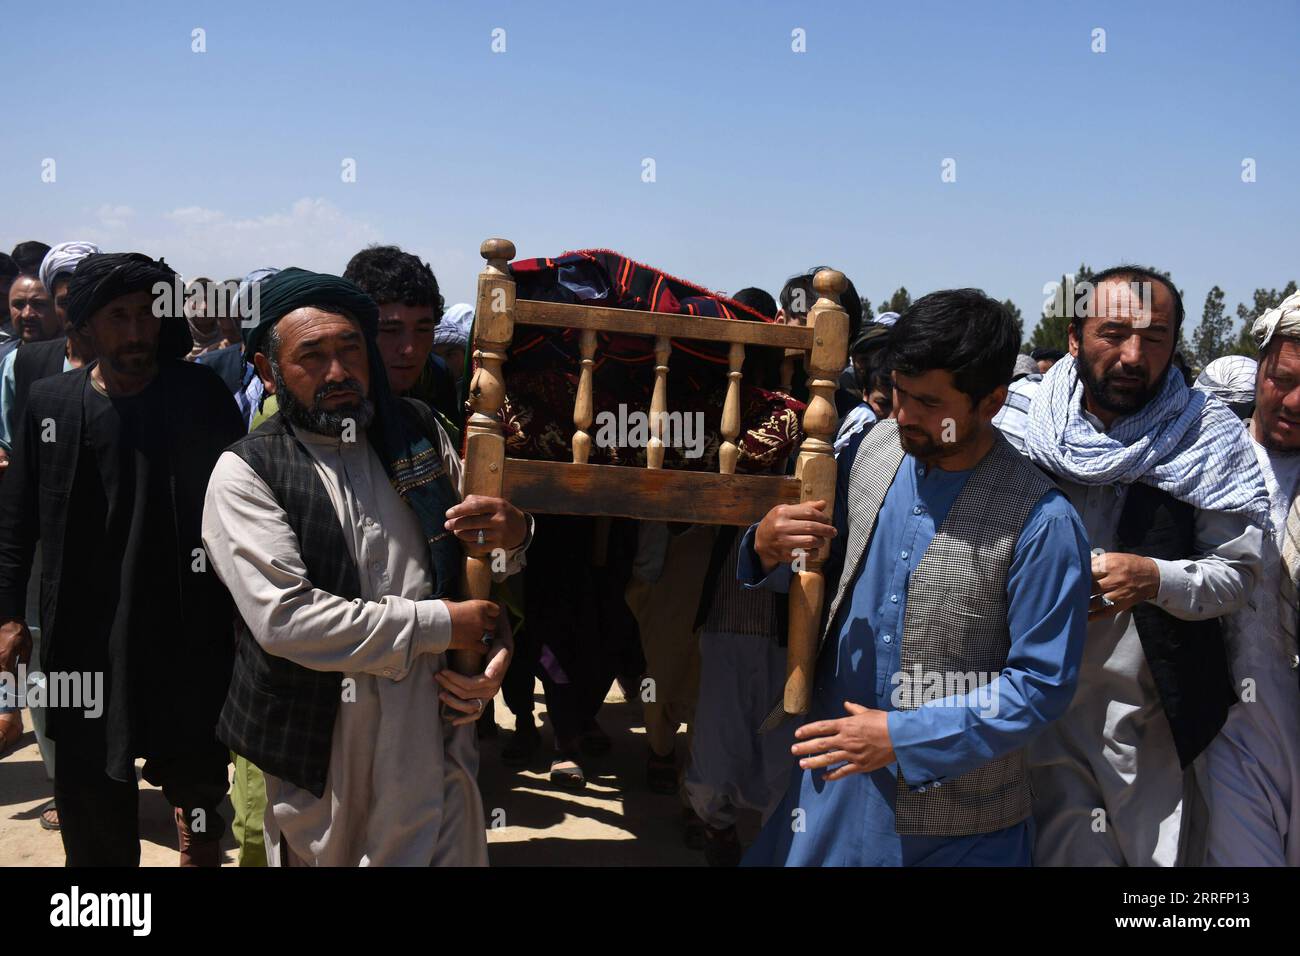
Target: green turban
(292, 289)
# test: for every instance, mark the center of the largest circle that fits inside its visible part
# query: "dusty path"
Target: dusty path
(616, 821)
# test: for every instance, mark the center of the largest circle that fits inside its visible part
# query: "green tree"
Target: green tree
(1214, 335)
(1016, 316)
(1052, 330)
(1261, 302)
(899, 302)
(867, 314)
(1244, 344)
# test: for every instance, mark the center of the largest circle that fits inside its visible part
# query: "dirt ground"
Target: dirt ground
(615, 821)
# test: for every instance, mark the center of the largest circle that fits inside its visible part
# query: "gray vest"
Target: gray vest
(955, 635)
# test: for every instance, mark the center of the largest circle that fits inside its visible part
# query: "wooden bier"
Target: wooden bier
(654, 493)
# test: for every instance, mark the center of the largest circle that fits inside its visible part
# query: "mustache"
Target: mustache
(1118, 372)
(333, 388)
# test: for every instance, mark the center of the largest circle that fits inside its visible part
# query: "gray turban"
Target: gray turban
(62, 259)
(1232, 378)
(1025, 365)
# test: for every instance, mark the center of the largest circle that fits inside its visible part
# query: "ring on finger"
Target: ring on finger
(482, 536)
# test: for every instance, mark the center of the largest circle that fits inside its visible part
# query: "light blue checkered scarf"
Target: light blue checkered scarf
(1184, 441)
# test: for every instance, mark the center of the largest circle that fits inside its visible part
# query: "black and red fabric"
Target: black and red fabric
(543, 369)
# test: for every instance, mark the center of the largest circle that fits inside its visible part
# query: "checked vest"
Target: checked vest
(955, 623)
(278, 714)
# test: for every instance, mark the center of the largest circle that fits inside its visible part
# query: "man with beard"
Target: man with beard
(1253, 765)
(62, 352)
(18, 370)
(1170, 493)
(31, 308)
(111, 463)
(8, 273)
(335, 525)
(957, 585)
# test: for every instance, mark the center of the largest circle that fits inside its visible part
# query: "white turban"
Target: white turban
(454, 326)
(1231, 377)
(62, 259)
(1283, 320)
(1025, 365)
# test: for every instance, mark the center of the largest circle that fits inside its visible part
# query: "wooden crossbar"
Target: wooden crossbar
(653, 493)
(564, 315)
(659, 494)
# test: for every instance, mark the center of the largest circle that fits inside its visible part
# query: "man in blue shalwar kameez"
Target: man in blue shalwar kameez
(958, 584)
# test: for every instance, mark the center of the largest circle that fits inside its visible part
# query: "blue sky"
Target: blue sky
(767, 161)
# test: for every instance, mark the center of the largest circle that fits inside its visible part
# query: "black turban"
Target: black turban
(292, 289)
(102, 277)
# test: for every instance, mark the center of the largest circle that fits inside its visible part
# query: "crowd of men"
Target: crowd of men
(1060, 624)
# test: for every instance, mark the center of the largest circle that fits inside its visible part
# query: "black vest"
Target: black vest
(278, 714)
(35, 361)
(1188, 659)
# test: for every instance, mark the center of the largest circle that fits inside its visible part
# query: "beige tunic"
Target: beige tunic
(1108, 788)
(401, 788)
(1253, 767)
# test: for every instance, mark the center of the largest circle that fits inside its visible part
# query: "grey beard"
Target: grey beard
(315, 417)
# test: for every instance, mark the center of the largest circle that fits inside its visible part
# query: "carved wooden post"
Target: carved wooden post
(582, 408)
(654, 453)
(485, 445)
(816, 471)
(728, 453)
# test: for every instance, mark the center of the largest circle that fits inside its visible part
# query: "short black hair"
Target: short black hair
(387, 274)
(1047, 355)
(758, 300)
(849, 299)
(962, 331)
(878, 373)
(762, 365)
(29, 256)
(1140, 274)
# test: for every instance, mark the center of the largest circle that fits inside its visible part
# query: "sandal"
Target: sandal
(565, 772)
(49, 817)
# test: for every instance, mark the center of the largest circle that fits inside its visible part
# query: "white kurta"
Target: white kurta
(401, 787)
(1107, 785)
(1253, 765)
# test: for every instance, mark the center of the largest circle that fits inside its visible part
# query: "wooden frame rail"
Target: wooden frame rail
(652, 493)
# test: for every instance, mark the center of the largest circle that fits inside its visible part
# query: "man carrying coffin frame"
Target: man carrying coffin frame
(334, 524)
(953, 561)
